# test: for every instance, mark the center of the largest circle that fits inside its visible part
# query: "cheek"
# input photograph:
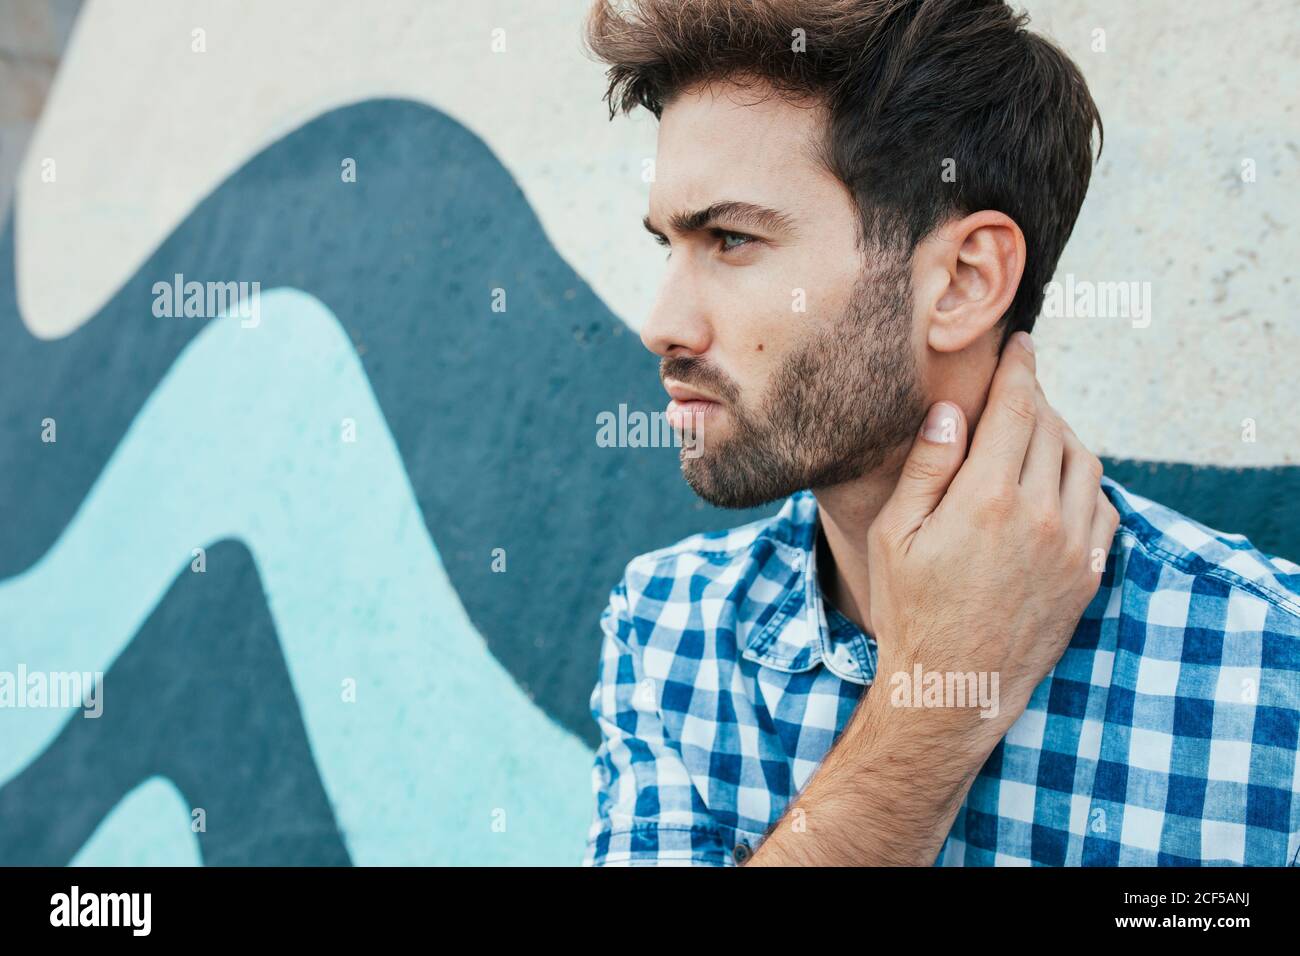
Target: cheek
(760, 348)
(771, 313)
(761, 359)
(753, 332)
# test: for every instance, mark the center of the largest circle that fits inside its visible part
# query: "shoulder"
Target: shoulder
(1171, 555)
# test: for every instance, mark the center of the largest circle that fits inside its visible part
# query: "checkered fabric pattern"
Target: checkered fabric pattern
(1165, 735)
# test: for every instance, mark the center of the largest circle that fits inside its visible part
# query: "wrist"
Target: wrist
(943, 746)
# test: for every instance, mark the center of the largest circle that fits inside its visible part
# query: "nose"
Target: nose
(679, 322)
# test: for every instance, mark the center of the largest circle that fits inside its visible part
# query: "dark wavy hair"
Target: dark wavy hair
(912, 87)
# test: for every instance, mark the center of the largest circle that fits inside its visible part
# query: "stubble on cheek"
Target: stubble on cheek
(837, 407)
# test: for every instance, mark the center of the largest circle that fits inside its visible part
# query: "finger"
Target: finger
(936, 455)
(1041, 475)
(1002, 436)
(1080, 485)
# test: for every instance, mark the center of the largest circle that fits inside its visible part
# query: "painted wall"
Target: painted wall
(352, 676)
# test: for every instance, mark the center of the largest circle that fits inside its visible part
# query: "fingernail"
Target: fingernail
(1026, 341)
(940, 425)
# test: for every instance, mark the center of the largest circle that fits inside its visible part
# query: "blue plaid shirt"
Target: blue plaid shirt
(1165, 735)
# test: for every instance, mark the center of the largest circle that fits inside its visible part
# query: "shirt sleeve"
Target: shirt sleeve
(648, 811)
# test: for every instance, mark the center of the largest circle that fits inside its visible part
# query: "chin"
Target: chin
(725, 487)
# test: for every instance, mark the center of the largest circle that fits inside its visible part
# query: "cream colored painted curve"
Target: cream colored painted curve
(141, 128)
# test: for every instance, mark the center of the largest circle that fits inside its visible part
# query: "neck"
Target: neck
(845, 512)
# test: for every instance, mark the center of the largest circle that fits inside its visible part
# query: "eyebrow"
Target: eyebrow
(733, 213)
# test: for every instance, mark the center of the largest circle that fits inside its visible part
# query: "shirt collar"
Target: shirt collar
(788, 629)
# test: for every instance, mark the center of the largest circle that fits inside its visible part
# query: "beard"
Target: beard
(834, 410)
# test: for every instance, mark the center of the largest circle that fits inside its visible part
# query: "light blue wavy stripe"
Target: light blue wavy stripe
(441, 759)
(150, 826)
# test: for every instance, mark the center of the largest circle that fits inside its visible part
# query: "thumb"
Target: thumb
(936, 455)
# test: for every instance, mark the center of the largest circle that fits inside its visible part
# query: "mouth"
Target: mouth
(689, 407)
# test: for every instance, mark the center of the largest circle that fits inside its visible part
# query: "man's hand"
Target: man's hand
(985, 565)
(981, 563)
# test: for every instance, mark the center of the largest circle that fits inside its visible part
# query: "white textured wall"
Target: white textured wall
(141, 128)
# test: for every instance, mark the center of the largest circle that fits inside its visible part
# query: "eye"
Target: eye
(662, 241)
(732, 240)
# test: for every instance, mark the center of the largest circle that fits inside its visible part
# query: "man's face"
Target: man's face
(788, 353)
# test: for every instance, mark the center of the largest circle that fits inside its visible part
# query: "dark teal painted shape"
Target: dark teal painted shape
(494, 413)
(201, 696)
(1261, 503)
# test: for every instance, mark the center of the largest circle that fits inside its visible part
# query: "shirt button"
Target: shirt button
(742, 852)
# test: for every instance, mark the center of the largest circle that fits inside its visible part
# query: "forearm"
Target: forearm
(886, 794)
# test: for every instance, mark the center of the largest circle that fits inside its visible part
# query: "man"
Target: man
(956, 642)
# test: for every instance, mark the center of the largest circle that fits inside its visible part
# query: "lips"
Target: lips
(683, 415)
(681, 392)
(690, 408)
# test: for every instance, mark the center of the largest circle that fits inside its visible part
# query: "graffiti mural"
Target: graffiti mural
(339, 559)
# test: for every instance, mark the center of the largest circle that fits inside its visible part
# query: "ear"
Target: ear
(965, 276)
